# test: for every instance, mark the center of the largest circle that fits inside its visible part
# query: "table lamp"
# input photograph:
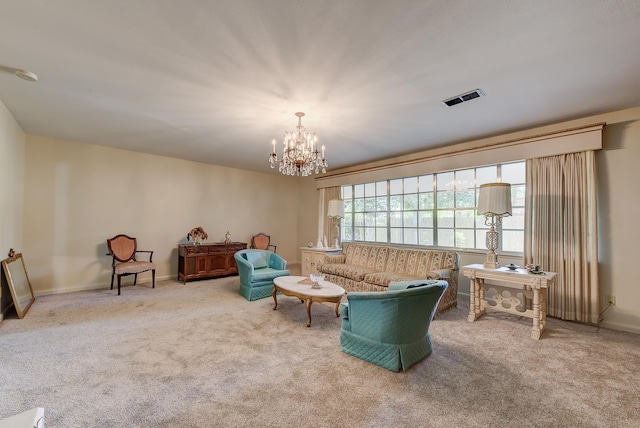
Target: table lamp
(335, 212)
(494, 203)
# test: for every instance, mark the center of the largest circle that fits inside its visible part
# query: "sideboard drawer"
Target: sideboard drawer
(196, 249)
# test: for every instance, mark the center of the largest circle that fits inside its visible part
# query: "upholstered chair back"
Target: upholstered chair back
(122, 247)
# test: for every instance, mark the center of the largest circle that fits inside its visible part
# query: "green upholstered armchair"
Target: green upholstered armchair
(257, 270)
(391, 328)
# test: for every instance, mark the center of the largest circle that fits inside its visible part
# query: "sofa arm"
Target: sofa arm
(344, 313)
(344, 310)
(245, 269)
(277, 262)
(440, 274)
(340, 258)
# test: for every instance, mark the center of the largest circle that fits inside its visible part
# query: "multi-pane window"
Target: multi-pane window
(433, 209)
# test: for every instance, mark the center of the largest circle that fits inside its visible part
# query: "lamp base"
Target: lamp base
(492, 261)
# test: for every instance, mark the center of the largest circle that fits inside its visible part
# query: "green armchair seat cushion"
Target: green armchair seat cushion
(391, 329)
(266, 274)
(257, 269)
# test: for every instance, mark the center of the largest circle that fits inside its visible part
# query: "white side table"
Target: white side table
(511, 295)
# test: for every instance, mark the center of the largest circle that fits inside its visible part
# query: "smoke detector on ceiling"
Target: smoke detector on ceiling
(467, 96)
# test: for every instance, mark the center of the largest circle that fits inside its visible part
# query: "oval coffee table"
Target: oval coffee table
(291, 286)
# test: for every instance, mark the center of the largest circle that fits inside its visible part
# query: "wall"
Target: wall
(78, 195)
(12, 147)
(618, 216)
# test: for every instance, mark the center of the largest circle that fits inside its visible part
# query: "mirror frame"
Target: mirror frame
(13, 287)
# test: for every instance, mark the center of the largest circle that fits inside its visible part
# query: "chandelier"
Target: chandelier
(300, 155)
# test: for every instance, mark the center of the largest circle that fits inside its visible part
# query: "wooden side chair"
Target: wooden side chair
(262, 242)
(123, 249)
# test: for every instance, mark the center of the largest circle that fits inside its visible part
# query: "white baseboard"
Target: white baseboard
(620, 327)
(101, 286)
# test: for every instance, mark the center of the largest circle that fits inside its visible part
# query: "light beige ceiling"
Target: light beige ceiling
(215, 81)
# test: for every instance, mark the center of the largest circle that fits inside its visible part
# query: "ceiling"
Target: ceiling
(215, 81)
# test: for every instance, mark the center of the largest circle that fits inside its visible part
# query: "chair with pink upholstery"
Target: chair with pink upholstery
(262, 241)
(123, 250)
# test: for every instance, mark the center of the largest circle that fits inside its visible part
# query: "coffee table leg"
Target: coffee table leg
(275, 300)
(308, 304)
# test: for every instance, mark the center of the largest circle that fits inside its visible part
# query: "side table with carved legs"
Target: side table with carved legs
(512, 294)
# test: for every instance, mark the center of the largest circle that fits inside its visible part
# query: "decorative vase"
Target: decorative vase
(197, 240)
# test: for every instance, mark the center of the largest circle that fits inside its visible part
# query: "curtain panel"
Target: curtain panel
(324, 222)
(561, 231)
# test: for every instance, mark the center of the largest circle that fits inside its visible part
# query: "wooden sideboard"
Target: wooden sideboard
(207, 260)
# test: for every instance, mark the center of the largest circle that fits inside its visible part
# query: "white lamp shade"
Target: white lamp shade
(495, 199)
(336, 208)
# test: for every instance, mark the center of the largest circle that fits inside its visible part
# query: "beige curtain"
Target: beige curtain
(561, 231)
(324, 222)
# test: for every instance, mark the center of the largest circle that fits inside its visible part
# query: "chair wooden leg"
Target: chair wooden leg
(135, 279)
(112, 280)
(153, 278)
(119, 276)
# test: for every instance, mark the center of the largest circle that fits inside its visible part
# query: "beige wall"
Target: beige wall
(78, 195)
(12, 146)
(618, 169)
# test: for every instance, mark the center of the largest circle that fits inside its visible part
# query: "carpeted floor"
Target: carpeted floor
(200, 355)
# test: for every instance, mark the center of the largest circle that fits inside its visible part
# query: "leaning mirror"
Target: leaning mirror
(16, 273)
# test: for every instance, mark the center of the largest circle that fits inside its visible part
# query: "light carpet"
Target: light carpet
(200, 355)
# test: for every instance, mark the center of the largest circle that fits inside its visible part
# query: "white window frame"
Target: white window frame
(369, 205)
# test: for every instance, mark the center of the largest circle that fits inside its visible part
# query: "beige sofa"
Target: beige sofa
(371, 267)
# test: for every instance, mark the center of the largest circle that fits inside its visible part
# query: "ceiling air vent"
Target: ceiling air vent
(476, 93)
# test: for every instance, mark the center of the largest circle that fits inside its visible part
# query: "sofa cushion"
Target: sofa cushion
(418, 262)
(370, 256)
(385, 278)
(356, 273)
(258, 259)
